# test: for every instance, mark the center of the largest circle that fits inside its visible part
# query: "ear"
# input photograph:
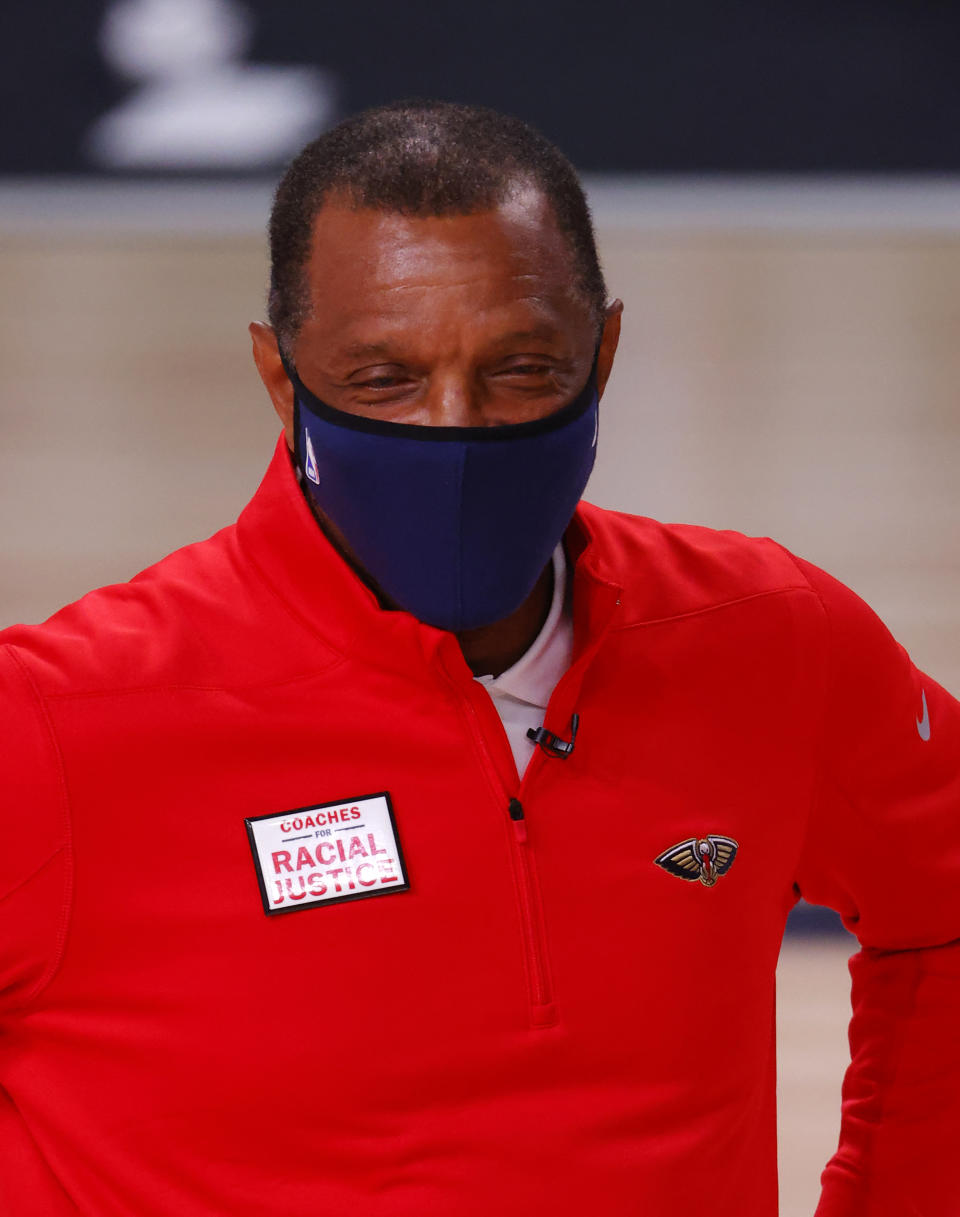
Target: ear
(266, 355)
(608, 343)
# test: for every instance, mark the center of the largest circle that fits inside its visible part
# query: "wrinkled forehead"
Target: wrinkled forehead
(359, 253)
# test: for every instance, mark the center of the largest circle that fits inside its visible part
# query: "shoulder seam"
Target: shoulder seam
(132, 690)
(67, 907)
(712, 608)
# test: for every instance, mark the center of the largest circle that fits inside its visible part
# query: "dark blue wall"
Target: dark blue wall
(654, 85)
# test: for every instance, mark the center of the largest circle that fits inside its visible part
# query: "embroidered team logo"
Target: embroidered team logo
(327, 853)
(703, 858)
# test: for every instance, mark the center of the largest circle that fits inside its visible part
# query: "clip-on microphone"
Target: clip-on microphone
(552, 744)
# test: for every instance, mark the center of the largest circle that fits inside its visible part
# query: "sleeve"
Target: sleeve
(34, 839)
(883, 849)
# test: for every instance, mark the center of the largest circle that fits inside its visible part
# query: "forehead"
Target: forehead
(365, 262)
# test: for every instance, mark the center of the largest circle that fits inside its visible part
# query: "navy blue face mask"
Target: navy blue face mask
(454, 524)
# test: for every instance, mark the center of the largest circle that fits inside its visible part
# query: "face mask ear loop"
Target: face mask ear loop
(300, 390)
(596, 359)
(288, 367)
(299, 453)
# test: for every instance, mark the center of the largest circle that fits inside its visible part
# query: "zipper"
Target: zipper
(543, 1010)
(541, 1005)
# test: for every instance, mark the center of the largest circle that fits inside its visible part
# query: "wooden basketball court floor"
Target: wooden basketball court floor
(795, 379)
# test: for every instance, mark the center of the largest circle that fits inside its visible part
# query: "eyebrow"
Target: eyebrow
(537, 332)
(364, 350)
(360, 350)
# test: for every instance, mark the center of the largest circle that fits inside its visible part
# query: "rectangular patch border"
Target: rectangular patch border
(249, 822)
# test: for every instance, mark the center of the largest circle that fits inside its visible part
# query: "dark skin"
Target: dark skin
(456, 321)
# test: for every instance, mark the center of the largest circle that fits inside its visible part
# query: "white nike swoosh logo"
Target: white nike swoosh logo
(923, 724)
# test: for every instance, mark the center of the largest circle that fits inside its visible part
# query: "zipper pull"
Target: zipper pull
(515, 807)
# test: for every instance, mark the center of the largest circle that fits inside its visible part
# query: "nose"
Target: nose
(454, 400)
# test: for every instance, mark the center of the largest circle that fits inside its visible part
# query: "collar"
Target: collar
(280, 537)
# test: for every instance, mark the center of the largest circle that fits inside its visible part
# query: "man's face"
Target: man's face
(448, 321)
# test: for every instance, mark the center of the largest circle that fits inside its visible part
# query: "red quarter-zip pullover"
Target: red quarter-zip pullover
(492, 997)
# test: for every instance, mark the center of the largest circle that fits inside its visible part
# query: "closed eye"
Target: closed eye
(528, 369)
(381, 382)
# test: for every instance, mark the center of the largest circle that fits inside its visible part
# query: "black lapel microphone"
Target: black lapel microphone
(552, 744)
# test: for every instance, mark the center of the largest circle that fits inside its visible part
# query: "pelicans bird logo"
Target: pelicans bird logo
(703, 858)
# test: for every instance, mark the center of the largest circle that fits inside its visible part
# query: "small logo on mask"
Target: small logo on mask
(703, 858)
(310, 468)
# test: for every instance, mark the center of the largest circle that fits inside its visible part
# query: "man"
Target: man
(421, 846)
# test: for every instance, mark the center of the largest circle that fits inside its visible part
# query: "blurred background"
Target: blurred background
(777, 195)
